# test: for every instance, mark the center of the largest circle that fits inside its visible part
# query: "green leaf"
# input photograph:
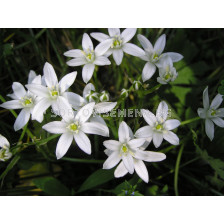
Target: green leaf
(51, 186)
(97, 178)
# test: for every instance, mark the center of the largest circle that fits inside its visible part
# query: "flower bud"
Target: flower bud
(92, 96)
(124, 93)
(5, 154)
(137, 84)
(104, 96)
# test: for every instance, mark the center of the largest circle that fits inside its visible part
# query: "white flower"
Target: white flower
(119, 43)
(167, 73)
(52, 94)
(124, 93)
(104, 96)
(159, 128)
(153, 55)
(5, 154)
(137, 84)
(75, 126)
(211, 113)
(89, 57)
(24, 100)
(130, 152)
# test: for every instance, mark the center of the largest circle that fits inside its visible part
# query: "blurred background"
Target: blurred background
(196, 167)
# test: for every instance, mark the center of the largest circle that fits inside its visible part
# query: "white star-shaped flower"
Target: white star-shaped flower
(76, 126)
(89, 57)
(211, 113)
(5, 153)
(119, 43)
(153, 55)
(158, 127)
(131, 152)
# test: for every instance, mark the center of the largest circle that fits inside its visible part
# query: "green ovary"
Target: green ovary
(158, 126)
(167, 76)
(27, 101)
(73, 127)
(124, 148)
(54, 93)
(213, 112)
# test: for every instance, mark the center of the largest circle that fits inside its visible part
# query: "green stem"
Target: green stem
(190, 120)
(153, 89)
(82, 160)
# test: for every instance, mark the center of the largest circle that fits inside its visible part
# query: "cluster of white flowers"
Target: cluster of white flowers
(77, 111)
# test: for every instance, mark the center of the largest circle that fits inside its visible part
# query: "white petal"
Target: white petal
(118, 56)
(40, 108)
(128, 34)
(131, 135)
(114, 31)
(76, 53)
(146, 144)
(141, 170)
(150, 156)
(3, 141)
(160, 44)
(18, 89)
(112, 145)
(38, 90)
(205, 99)
(133, 49)
(103, 47)
(64, 108)
(144, 132)
(97, 119)
(99, 36)
(149, 117)
(148, 71)
(157, 139)
(108, 53)
(218, 121)
(85, 112)
(123, 132)
(162, 111)
(95, 128)
(128, 162)
(87, 44)
(174, 56)
(67, 81)
(74, 99)
(209, 129)
(216, 102)
(202, 113)
(32, 76)
(159, 80)
(108, 152)
(120, 170)
(112, 161)
(136, 143)
(146, 44)
(37, 80)
(50, 75)
(55, 127)
(102, 60)
(88, 88)
(12, 96)
(220, 112)
(87, 72)
(22, 119)
(63, 145)
(171, 138)
(83, 142)
(12, 104)
(104, 107)
(76, 62)
(171, 124)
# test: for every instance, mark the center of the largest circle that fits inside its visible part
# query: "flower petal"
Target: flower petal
(114, 31)
(141, 170)
(22, 119)
(162, 111)
(63, 145)
(76, 53)
(171, 138)
(144, 132)
(76, 62)
(128, 162)
(216, 102)
(160, 44)
(87, 72)
(12, 96)
(12, 104)
(171, 124)
(148, 71)
(64, 108)
(174, 56)
(104, 107)
(97, 119)
(95, 128)
(74, 99)
(120, 170)
(206, 99)
(38, 90)
(99, 36)
(136, 143)
(87, 44)
(83, 142)
(218, 121)
(67, 81)
(150, 156)
(220, 112)
(146, 44)
(32, 75)
(4, 141)
(102, 60)
(112, 160)
(157, 139)
(118, 56)
(112, 145)
(133, 49)
(128, 34)
(85, 112)
(149, 117)
(88, 88)
(123, 132)
(202, 113)
(209, 129)
(108, 152)
(103, 47)
(55, 127)
(50, 75)
(18, 89)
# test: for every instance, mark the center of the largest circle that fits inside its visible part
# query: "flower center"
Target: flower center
(27, 101)
(117, 42)
(213, 112)
(124, 148)
(158, 126)
(54, 92)
(167, 76)
(155, 57)
(89, 54)
(74, 127)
